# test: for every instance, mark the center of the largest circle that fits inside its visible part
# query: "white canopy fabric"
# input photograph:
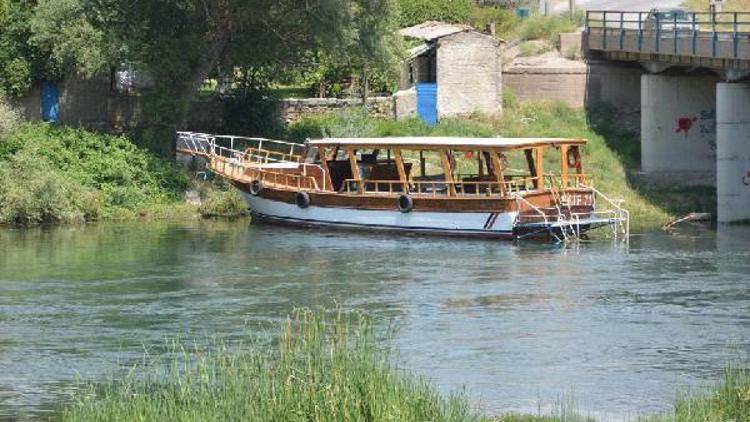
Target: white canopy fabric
(433, 142)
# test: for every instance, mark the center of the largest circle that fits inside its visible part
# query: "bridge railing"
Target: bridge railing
(717, 35)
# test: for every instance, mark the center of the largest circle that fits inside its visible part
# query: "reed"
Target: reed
(323, 368)
(728, 400)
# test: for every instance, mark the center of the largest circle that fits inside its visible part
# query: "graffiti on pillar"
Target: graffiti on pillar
(708, 121)
(684, 124)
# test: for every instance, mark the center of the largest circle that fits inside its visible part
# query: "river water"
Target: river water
(619, 328)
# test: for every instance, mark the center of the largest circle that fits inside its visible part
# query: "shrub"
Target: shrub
(34, 191)
(412, 12)
(220, 199)
(9, 119)
(123, 175)
(505, 20)
(545, 28)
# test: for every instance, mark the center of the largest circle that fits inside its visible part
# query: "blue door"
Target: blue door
(427, 102)
(50, 102)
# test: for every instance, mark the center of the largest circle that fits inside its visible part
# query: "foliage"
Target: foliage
(413, 12)
(9, 119)
(728, 400)
(544, 28)
(62, 29)
(505, 20)
(255, 114)
(124, 177)
(533, 48)
(324, 368)
(35, 191)
(220, 199)
(21, 63)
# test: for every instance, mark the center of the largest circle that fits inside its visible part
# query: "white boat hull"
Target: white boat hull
(483, 224)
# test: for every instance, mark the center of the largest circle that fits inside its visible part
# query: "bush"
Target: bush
(545, 28)
(505, 20)
(413, 12)
(34, 191)
(9, 119)
(220, 199)
(124, 176)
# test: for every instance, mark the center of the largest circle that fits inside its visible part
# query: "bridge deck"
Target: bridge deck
(699, 39)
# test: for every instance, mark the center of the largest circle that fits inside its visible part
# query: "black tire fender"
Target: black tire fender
(303, 199)
(405, 203)
(256, 187)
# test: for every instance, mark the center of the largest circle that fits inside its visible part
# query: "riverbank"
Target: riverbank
(326, 366)
(73, 175)
(53, 174)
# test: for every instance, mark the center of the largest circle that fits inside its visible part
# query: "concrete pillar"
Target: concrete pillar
(733, 152)
(678, 126)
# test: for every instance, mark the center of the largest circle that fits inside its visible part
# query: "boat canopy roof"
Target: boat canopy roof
(435, 142)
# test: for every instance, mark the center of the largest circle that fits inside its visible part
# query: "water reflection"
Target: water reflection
(518, 325)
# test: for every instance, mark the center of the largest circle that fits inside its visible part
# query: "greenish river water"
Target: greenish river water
(620, 328)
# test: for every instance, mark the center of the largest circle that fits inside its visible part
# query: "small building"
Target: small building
(456, 71)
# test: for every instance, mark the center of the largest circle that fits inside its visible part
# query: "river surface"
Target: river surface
(619, 328)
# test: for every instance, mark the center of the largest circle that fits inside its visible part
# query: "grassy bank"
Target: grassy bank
(57, 174)
(326, 367)
(322, 369)
(609, 153)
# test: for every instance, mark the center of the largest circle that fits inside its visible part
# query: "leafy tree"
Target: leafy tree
(62, 29)
(413, 12)
(21, 63)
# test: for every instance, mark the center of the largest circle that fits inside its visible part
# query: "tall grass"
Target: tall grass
(327, 366)
(323, 368)
(728, 400)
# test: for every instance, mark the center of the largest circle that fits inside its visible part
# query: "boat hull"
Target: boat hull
(499, 225)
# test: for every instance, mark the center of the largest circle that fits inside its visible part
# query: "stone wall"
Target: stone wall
(292, 110)
(574, 82)
(469, 74)
(538, 79)
(94, 105)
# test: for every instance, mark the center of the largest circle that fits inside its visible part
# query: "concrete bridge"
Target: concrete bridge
(695, 94)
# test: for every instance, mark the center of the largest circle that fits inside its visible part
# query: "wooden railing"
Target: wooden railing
(514, 184)
(243, 173)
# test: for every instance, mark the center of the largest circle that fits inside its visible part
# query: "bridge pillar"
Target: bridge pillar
(678, 127)
(733, 152)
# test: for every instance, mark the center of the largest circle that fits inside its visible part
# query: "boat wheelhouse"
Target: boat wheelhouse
(489, 187)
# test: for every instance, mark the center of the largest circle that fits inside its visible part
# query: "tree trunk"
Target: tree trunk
(365, 87)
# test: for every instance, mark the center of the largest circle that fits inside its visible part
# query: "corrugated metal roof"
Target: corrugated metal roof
(430, 142)
(432, 30)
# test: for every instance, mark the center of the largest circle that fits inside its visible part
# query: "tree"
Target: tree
(413, 12)
(21, 62)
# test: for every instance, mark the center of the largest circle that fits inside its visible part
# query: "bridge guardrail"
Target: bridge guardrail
(713, 35)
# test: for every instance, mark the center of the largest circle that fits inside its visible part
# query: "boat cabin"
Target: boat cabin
(443, 166)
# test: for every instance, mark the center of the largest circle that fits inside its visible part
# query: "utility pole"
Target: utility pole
(571, 7)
